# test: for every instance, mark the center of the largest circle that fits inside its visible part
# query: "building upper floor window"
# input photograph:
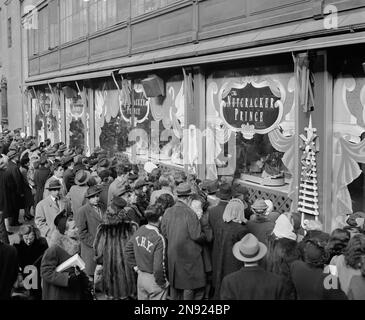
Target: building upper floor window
(140, 7)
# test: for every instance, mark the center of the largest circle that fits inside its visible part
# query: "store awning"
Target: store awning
(75, 77)
(291, 46)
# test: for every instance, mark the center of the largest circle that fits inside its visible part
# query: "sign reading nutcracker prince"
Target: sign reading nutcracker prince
(250, 106)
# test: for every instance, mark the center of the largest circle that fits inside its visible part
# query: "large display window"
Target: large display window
(250, 117)
(348, 180)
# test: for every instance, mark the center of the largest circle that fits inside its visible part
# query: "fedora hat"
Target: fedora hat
(249, 249)
(82, 177)
(184, 189)
(54, 185)
(239, 189)
(224, 191)
(60, 221)
(118, 202)
(132, 176)
(210, 186)
(140, 183)
(92, 191)
(123, 190)
(104, 163)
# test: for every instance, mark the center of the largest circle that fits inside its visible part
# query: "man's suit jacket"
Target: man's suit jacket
(45, 213)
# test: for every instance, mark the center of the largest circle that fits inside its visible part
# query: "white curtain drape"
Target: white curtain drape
(286, 145)
(347, 156)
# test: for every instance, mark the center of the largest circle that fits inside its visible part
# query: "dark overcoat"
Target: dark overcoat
(252, 283)
(8, 269)
(14, 184)
(216, 224)
(55, 284)
(87, 222)
(183, 231)
(41, 175)
(225, 263)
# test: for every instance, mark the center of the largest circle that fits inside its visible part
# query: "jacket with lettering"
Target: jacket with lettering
(147, 250)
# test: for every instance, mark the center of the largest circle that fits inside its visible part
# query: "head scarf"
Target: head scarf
(234, 211)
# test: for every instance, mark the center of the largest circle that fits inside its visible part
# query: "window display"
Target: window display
(348, 185)
(251, 109)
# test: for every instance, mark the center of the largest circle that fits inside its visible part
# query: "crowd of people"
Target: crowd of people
(148, 233)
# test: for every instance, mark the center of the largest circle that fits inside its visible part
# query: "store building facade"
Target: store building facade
(270, 92)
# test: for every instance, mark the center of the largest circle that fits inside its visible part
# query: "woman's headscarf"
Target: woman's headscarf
(235, 211)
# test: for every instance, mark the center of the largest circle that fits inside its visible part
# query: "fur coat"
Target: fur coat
(119, 279)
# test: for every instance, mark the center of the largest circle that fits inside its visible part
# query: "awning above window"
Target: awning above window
(291, 46)
(75, 77)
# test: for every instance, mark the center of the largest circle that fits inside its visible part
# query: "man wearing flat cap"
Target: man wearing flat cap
(184, 233)
(88, 218)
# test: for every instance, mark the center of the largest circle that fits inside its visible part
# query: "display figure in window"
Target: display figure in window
(273, 174)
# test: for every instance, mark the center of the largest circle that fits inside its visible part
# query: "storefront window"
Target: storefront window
(76, 122)
(250, 120)
(348, 186)
(168, 114)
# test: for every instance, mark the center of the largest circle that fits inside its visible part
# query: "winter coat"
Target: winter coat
(55, 284)
(309, 283)
(117, 185)
(216, 223)
(8, 269)
(119, 278)
(45, 213)
(252, 283)
(183, 231)
(87, 222)
(69, 179)
(4, 195)
(28, 195)
(261, 229)
(40, 177)
(225, 236)
(14, 184)
(77, 197)
(103, 199)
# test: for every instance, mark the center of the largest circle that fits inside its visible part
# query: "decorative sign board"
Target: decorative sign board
(250, 107)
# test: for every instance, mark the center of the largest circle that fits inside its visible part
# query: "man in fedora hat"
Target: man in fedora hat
(77, 193)
(58, 172)
(88, 218)
(252, 282)
(15, 187)
(215, 216)
(183, 230)
(69, 174)
(47, 209)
